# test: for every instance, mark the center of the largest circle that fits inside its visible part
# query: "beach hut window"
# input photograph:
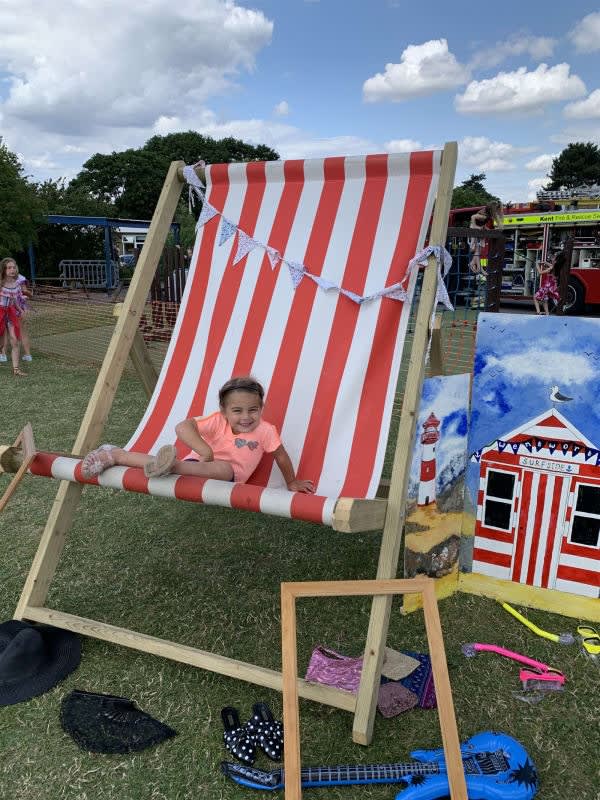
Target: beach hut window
(499, 499)
(586, 519)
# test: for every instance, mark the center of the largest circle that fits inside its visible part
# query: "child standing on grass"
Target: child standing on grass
(549, 272)
(227, 445)
(12, 301)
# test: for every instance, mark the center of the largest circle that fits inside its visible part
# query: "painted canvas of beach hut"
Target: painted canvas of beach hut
(436, 488)
(532, 511)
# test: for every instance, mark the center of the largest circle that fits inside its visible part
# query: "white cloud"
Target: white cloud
(423, 69)
(534, 185)
(402, 146)
(541, 162)
(486, 155)
(584, 109)
(586, 34)
(582, 132)
(282, 109)
(90, 76)
(536, 364)
(519, 44)
(520, 91)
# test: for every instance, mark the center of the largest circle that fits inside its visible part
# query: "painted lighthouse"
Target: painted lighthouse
(429, 438)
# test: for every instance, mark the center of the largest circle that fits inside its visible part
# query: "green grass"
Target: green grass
(210, 577)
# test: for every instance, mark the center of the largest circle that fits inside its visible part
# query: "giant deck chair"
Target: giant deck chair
(345, 228)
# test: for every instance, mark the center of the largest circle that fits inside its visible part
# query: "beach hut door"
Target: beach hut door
(541, 527)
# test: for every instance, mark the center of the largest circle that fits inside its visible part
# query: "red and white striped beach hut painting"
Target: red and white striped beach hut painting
(538, 507)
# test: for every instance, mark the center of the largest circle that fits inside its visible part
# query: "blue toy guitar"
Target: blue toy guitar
(496, 767)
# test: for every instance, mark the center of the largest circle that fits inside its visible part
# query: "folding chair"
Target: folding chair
(319, 235)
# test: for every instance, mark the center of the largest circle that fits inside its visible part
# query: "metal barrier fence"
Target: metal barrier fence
(90, 273)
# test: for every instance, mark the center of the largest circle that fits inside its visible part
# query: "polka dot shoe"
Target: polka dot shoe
(237, 739)
(266, 731)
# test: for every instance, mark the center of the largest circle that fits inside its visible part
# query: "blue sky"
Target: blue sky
(513, 83)
(513, 375)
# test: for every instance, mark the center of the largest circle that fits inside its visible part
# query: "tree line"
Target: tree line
(127, 185)
(123, 185)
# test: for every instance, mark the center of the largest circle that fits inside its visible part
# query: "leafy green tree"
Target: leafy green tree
(131, 181)
(472, 192)
(577, 165)
(20, 209)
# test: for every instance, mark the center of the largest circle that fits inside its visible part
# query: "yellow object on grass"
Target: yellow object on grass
(562, 638)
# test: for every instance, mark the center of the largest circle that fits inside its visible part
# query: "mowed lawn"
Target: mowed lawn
(209, 577)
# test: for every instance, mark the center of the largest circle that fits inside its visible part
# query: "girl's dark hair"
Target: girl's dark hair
(243, 384)
(560, 261)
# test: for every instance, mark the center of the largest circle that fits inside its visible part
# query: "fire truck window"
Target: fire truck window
(497, 515)
(500, 484)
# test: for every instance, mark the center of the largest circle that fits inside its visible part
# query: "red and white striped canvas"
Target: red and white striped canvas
(328, 364)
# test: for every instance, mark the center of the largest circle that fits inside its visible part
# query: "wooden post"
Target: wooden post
(436, 358)
(394, 520)
(65, 504)
(140, 358)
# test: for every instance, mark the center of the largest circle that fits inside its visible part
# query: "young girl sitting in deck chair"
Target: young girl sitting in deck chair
(220, 445)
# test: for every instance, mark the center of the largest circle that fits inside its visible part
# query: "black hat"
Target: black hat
(103, 723)
(33, 659)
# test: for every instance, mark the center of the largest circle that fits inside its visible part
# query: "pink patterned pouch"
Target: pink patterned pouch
(334, 669)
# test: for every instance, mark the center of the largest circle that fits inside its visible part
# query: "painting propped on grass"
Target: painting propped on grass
(532, 512)
(436, 490)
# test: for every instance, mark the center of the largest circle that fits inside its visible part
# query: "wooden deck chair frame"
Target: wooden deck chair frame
(290, 592)
(369, 515)
(24, 446)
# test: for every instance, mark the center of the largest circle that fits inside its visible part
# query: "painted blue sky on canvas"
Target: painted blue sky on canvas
(518, 358)
(447, 398)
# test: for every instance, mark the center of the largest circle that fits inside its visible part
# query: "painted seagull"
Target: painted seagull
(557, 397)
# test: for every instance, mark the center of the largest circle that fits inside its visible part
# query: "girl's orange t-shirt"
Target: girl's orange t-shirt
(243, 452)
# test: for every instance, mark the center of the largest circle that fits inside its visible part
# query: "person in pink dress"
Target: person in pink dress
(227, 444)
(549, 272)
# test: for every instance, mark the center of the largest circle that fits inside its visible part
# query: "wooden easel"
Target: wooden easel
(31, 604)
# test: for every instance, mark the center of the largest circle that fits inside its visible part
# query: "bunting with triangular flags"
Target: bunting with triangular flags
(245, 245)
(227, 231)
(514, 446)
(298, 271)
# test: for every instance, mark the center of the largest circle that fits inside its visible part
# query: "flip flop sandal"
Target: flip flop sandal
(237, 738)
(162, 463)
(589, 639)
(96, 461)
(267, 731)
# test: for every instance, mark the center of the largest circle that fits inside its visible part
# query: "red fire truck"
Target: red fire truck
(534, 232)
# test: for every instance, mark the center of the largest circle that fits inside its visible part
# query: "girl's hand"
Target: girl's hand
(301, 486)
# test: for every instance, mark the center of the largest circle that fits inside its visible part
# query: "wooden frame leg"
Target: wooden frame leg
(67, 498)
(394, 521)
(25, 441)
(291, 720)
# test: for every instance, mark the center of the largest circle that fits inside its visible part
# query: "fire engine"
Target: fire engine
(567, 220)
